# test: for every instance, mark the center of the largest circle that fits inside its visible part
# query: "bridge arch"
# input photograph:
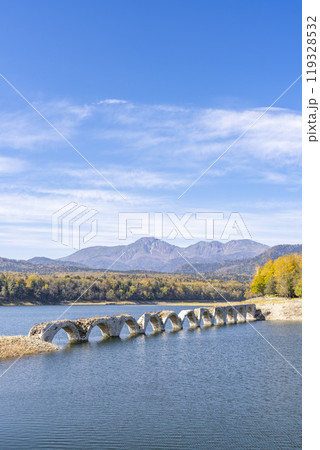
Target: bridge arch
(156, 323)
(219, 316)
(153, 319)
(171, 316)
(188, 314)
(251, 312)
(203, 315)
(231, 316)
(104, 326)
(47, 330)
(131, 323)
(241, 314)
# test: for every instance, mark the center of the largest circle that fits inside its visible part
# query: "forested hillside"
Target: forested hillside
(17, 288)
(279, 277)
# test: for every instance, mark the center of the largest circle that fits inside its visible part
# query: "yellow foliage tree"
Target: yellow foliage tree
(282, 276)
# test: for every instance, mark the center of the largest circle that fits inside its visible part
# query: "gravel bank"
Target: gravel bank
(288, 310)
(16, 346)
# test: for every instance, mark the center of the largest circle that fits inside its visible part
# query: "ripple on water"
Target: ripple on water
(219, 387)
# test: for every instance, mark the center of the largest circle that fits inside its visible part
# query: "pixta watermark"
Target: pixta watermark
(74, 225)
(189, 226)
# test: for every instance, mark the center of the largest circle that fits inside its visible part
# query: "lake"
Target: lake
(218, 387)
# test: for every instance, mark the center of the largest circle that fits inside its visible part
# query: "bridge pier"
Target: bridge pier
(190, 315)
(172, 317)
(219, 316)
(251, 312)
(154, 320)
(204, 315)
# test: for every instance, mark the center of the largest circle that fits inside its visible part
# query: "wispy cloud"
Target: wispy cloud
(111, 101)
(150, 152)
(25, 130)
(201, 134)
(161, 129)
(9, 165)
(128, 177)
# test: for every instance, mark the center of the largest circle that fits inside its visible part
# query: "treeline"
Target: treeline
(282, 277)
(55, 289)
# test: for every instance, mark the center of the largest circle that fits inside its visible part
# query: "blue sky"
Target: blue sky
(151, 93)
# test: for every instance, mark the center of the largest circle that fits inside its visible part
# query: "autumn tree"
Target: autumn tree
(282, 276)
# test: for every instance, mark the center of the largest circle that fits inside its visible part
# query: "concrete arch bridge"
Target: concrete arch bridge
(111, 326)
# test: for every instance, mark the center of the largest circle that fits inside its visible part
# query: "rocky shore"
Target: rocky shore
(289, 310)
(17, 346)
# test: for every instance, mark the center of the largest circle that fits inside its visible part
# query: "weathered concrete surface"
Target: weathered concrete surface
(241, 313)
(219, 315)
(188, 314)
(251, 312)
(47, 330)
(154, 320)
(111, 326)
(203, 315)
(171, 316)
(288, 310)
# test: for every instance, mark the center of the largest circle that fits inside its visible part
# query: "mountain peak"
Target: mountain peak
(150, 253)
(146, 240)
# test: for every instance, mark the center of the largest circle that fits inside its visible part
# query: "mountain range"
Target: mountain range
(245, 266)
(47, 267)
(160, 256)
(150, 254)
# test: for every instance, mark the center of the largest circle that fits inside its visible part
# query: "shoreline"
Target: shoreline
(259, 301)
(282, 311)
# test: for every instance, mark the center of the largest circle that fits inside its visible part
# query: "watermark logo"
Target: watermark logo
(70, 225)
(189, 226)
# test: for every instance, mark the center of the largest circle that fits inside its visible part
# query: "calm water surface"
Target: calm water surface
(220, 387)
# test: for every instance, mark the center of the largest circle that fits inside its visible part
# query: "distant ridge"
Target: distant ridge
(154, 254)
(148, 254)
(244, 267)
(53, 266)
(53, 262)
